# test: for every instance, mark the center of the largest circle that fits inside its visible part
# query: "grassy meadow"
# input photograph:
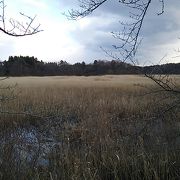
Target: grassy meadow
(93, 128)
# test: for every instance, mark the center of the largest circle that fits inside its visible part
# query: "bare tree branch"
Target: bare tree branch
(15, 27)
(129, 37)
(87, 7)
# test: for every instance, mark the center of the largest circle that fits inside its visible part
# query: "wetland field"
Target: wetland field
(112, 127)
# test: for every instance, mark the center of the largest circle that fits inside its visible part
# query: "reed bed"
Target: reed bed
(99, 128)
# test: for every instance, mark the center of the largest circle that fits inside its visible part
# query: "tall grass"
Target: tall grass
(101, 128)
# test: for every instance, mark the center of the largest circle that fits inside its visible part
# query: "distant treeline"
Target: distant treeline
(31, 66)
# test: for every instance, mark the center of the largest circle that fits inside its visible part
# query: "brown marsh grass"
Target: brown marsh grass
(101, 127)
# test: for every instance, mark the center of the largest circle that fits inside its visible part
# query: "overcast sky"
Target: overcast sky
(81, 40)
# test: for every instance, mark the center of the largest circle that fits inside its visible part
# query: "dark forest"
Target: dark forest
(31, 66)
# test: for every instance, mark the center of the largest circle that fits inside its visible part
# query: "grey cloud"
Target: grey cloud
(156, 30)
